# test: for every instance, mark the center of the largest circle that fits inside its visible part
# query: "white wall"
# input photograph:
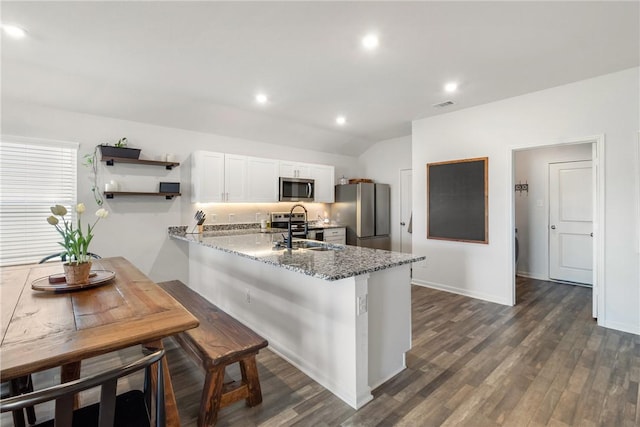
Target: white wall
(532, 209)
(137, 226)
(382, 163)
(606, 105)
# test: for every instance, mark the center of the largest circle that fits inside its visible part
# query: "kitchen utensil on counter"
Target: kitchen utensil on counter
(198, 227)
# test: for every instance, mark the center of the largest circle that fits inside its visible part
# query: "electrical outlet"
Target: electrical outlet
(362, 305)
(213, 217)
(248, 296)
(231, 217)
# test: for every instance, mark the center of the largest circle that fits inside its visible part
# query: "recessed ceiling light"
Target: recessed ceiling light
(261, 98)
(370, 41)
(341, 120)
(14, 32)
(451, 87)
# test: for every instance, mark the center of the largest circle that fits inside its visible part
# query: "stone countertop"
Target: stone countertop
(318, 226)
(345, 261)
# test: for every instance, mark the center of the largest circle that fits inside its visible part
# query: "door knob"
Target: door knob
(402, 224)
(553, 227)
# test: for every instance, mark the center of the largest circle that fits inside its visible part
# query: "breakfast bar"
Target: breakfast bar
(341, 314)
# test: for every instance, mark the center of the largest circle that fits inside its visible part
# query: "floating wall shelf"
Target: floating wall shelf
(111, 160)
(111, 194)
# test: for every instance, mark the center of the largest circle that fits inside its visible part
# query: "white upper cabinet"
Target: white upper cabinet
(324, 183)
(295, 170)
(262, 179)
(235, 178)
(220, 177)
(207, 177)
(323, 175)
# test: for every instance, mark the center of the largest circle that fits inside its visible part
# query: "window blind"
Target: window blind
(34, 175)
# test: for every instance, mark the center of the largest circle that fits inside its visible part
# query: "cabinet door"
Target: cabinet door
(324, 177)
(288, 169)
(304, 170)
(262, 180)
(207, 177)
(235, 178)
(295, 170)
(335, 235)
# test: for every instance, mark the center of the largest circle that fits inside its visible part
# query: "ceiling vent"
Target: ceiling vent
(443, 104)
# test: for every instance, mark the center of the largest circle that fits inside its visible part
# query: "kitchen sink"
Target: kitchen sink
(308, 244)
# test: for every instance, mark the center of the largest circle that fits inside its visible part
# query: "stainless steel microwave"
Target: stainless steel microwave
(296, 189)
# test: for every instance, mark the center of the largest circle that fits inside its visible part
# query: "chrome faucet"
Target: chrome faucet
(306, 230)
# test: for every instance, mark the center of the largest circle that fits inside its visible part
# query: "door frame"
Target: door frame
(598, 187)
(410, 171)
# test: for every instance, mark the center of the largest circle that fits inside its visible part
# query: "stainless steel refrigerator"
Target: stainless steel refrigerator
(364, 209)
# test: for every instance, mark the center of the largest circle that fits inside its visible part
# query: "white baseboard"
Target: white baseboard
(465, 292)
(530, 275)
(384, 380)
(624, 327)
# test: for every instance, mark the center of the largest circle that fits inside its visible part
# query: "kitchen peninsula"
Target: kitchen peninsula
(341, 314)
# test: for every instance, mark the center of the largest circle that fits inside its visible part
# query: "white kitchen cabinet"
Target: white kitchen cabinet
(295, 170)
(323, 175)
(220, 177)
(262, 179)
(336, 235)
(324, 183)
(235, 178)
(223, 177)
(207, 177)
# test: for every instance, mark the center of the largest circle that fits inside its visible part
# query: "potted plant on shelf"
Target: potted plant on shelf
(119, 149)
(75, 242)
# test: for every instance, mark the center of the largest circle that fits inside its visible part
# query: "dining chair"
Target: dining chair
(14, 387)
(130, 409)
(63, 257)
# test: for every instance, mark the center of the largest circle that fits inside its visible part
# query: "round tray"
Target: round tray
(52, 283)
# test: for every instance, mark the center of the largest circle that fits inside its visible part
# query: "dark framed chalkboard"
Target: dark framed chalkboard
(457, 197)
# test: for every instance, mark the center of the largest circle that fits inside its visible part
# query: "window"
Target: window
(34, 175)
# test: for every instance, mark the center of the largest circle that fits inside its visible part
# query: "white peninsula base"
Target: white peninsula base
(349, 335)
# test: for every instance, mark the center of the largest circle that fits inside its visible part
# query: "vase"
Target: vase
(77, 274)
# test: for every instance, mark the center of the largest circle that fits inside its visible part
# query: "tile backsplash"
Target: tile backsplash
(241, 213)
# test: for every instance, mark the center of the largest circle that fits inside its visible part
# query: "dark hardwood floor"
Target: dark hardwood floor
(473, 363)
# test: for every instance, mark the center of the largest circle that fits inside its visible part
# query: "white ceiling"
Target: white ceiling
(197, 65)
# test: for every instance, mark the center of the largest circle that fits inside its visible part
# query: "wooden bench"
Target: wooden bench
(220, 340)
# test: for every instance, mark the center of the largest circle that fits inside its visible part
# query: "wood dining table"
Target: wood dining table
(44, 329)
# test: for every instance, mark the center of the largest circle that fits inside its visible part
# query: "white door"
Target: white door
(571, 222)
(405, 210)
